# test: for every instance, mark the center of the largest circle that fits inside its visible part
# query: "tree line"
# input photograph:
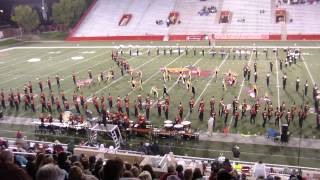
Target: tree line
(65, 12)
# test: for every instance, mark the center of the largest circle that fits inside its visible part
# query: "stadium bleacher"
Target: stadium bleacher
(248, 19)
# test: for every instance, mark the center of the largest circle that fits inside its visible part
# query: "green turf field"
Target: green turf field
(16, 69)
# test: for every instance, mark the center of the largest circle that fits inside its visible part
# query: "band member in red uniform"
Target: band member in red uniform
(85, 107)
(40, 85)
(33, 106)
(277, 115)
(201, 109)
(119, 104)
(18, 96)
(60, 117)
(244, 109)
(3, 100)
(41, 118)
(104, 116)
(96, 104)
(180, 109)
(178, 119)
(302, 116)
(63, 97)
(166, 110)
(74, 78)
(127, 108)
(16, 103)
(141, 121)
(264, 117)
(293, 111)
(191, 105)
(253, 115)
(90, 74)
(226, 114)
(76, 105)
(52, 98)
(102, 100)
(74, 96)
(58, 80)
(50, 119)
(147, 107)
(30, 87)
(270, 112)
(159, 107)
(126, 121)
(288, 117)
(66, 106)
(212, 102)
(221, 106)
(26, 102)
(140, 102)
(136, 106)
(110, 101)
(58, 105)
(10, 101)
(82, 101)
(49, 107)
(49, 83)
(236, 118)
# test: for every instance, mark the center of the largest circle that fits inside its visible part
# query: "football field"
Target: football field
(34, 62)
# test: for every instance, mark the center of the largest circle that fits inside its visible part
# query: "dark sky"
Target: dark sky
(8, 5)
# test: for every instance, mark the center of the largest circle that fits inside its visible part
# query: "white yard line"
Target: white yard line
(148, 61)
(310, 75)
(240, 91)
(6, 49)
(153, 75)
(207, 85)
(25, 57)
(22, 75)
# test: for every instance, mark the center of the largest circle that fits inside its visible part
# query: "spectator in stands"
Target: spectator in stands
(97, 167)
(187, 174)
(86, 166)
(135, 171)
(10, 171)
(92, 162)
(197, 174)
(179, 170)
(148, 168)
(75, 173)
(145, 175)
(127, 174)
(227, 165)
(170, 171)
(50, 172)
(62, 161)
(113, 169)
(223, 175)
(259, 170)
(6, 157)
